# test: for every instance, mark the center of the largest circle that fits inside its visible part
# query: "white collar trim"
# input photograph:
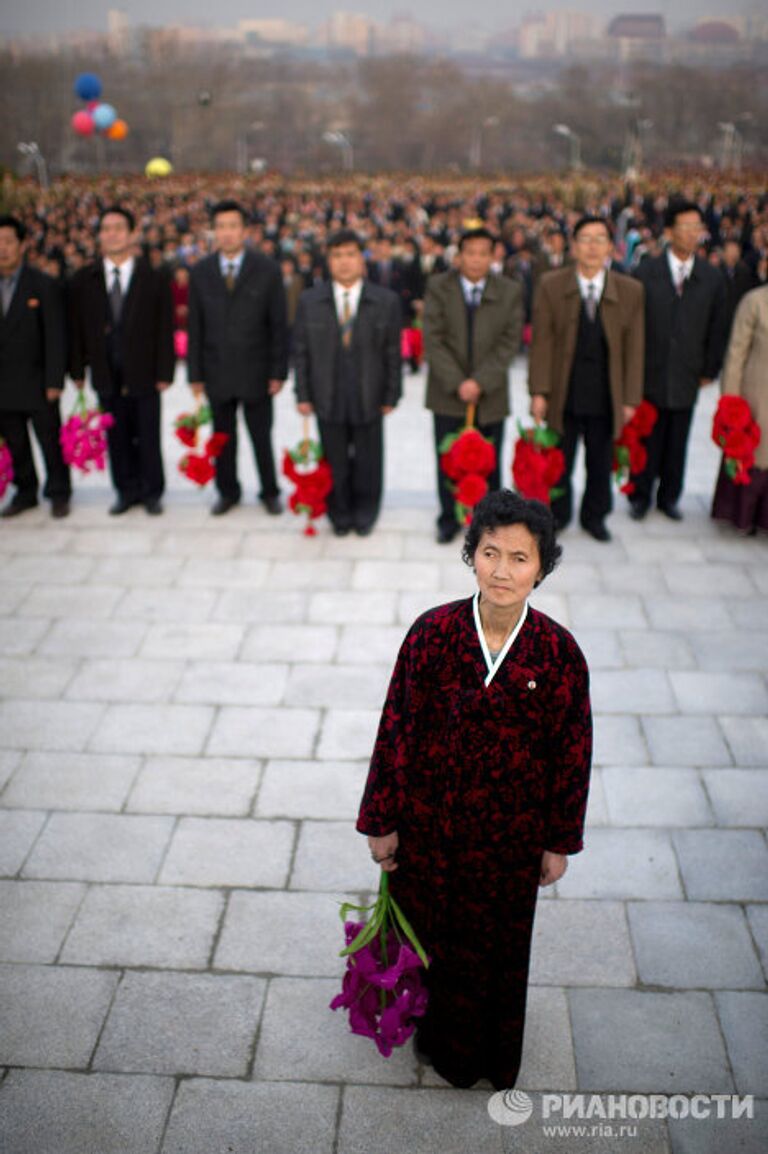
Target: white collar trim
(491, 665)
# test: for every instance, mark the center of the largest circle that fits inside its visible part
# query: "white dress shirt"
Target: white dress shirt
(339, 292)
(680, 269)
(126, 272)
(468, 287)
(231, 262)
(598, 281)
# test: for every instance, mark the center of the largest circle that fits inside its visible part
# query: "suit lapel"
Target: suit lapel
(456, 311)
(609, 310)
(18, 300)
(572, 309)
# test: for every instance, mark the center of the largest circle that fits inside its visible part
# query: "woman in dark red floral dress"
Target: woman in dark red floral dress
(478, 786)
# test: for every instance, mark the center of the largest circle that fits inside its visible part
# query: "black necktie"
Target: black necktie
(591, 302)
(116, 296)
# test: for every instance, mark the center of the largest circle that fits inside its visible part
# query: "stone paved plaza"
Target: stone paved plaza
(187, 705)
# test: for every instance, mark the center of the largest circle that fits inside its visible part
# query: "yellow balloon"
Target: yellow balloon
(158, 166)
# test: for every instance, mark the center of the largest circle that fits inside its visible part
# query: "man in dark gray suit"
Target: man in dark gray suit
(32, 364)
(238, 349)
(348, 372)
(472, 325)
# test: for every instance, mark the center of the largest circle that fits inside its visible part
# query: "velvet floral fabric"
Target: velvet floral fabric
(478, 781)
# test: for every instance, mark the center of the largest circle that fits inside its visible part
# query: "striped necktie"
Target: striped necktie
(346, 321)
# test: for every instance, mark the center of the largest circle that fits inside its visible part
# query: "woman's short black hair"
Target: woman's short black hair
(503, 507)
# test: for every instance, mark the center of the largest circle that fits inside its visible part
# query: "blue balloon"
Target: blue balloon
(88, 86)
(104, 116)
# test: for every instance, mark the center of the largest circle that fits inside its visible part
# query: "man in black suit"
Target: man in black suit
(739, 280)
(348, 372)
(32, 365)
(238, 349)
(685, 318)
(121, 326)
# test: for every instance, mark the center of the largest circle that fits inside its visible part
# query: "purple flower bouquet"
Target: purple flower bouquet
(382, 988)
(6, 467)
(83, 437)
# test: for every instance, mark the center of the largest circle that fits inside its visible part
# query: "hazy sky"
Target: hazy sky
(30, 16)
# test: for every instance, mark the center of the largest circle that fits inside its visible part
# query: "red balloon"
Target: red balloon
(82, 122)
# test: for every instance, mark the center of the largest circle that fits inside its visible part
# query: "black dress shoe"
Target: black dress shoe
(596, 529)
(364, 530)
(273, 505)
(638, 510)
(341, 530)
(18, 505)
(222, 505)
(60, 508)
(446, 534)
(154, 507)
(671, 511)
(121, 505)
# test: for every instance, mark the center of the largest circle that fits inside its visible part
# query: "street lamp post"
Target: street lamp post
(575, 143)
(31, 149)
(476, 142)
(345, 144)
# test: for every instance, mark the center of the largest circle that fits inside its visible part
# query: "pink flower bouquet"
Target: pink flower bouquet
(382, 990)
(83, 437)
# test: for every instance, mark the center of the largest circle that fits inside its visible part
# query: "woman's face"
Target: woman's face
(507, 565)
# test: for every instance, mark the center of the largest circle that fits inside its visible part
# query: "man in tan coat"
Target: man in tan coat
(586, 367)
(472, 326)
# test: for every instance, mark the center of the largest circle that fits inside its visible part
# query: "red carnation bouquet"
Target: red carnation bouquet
(83, 437)
(199, 467)
(6, 467)
(737, 433)
(629, 452)
(311, 474)
(467, 458)
(538, 464)
(383, 988)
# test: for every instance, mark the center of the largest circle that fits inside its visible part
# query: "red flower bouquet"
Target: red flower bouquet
(629, 452)
(538, 464)
(6, 467)
(198, 467)
(311, 474)
(83, 438)
(467, 458)
(737, 433)
(382, 988)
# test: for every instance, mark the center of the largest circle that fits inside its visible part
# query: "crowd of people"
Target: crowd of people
(430, 245)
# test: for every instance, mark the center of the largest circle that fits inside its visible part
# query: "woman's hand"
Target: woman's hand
(553, 866)
(383, 850)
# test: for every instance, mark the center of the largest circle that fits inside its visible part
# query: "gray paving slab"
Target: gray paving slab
(637, 796)
(100, 847)
(35, 916)
(209, 573)
(210, 787)
(621, 864)
(125, 680)
(397, 574)
(60, 601)
(131, 728)
(36, 568)
(260, 732)
(56, 1112)
(353, 686)
(731, 693)
(749, 613)
(51, 1015)
(10, 759)
(658, 649)
(608, 611)
(631, 690)
(286, 642)
(723, 865)
(233, 683)
(731, 649)
(698, 613)
(619, 740)
(173, 1023)
(601, 648)
(213, 851)
(563, 948)
(337, 608)
(111, 639)
(161, 571)
(747, 738)
(281, 933)
(164, 927)
(419, 1121)
(693, 945)
(713, 1135)
(19, 830)
(658, 1043)
(597, 809)
(739, 797)
(206, 641)
(301, 1039)
(35, 677)
(757, 917)
(686, 741)
(71, 781)
(252, 1118)
(313, 789)
(21, 635)
(241, 607)
(60, 725)
(633, 577)
(332, 856)
(744, 1018)
(320, 574)
(713, 580)
(348, 734)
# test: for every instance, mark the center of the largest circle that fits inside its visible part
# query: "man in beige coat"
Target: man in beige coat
(472, 326)
(586, 366)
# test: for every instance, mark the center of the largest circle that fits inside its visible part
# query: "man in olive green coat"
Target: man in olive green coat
(472, 326)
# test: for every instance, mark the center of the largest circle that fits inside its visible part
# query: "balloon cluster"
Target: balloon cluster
(97, 116)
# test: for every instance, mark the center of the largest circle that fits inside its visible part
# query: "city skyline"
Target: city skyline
(38, 17)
